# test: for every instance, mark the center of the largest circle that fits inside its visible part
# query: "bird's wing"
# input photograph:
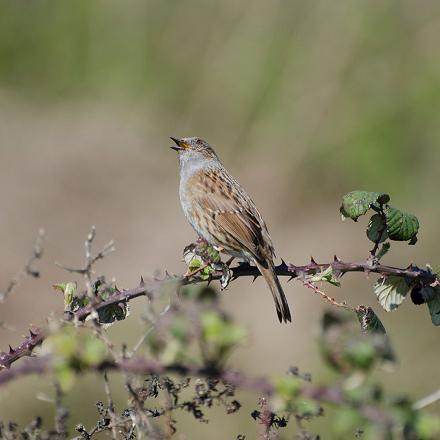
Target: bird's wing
(233, 212)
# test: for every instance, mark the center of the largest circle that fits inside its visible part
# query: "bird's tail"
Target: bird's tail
(272, 281)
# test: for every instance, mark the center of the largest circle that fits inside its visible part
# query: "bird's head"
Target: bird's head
(193, 148)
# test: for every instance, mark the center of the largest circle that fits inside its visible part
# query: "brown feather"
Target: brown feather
(235, 223)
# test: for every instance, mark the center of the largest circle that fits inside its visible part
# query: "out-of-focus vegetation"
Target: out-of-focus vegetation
(355, 84)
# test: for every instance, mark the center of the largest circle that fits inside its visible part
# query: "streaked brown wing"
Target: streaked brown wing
(234, 213)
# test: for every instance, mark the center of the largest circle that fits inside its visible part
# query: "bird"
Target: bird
(223, 214)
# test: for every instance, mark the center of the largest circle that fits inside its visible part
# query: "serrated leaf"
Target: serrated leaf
(113, 312)
(357, 203)
(401, 226)
(391, 291)
(377, 230)
(370, 323)
(434, 308)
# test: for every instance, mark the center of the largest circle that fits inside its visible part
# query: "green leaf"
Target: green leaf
(361, 354)
(220, 330)
(377, 230)
(346, 420)
(287, 387)
(391, 291)
(93, 351)
(383, 251)
(327, 276)
(69, 291)
(370, 323)
(73, 350)
(198, 292)
(213, 255)
(219, 336)
(427, 426)
(401, 226)
(113, 312)
(180, 328)
(434, 307)
(65, 376)
(308, 408)
(357, 203)
(195, 263)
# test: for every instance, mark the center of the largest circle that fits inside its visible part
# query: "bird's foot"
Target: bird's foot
(226, 274)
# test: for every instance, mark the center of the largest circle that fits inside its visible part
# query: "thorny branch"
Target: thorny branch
(423, 277)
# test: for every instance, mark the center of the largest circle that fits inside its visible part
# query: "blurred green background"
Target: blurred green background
(303, 100)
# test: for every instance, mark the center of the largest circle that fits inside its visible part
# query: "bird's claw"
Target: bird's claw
(226, 274)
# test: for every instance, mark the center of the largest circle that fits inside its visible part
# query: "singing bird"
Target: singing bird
(223, 214)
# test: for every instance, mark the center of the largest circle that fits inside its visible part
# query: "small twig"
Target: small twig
(265, 419)
(27, 270)
(146, 333)
(427, 400)
(111, 406)
(196, 271)
(87, 269)
(326, 297)
(169, 430)
(141, 341)
(379, 232)
(61, 413)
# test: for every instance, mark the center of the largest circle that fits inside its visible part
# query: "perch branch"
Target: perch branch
(149, 287)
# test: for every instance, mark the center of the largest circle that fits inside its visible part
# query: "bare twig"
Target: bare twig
(91, 259)
(27, 270)
(427, 400)
(327, 298)
(61, 413)
(111, 406)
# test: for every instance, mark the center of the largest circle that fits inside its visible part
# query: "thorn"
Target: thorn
(255, 277)
(142, 283)
(11, 350)
(283, 265)
(312, 260)
(336, 259)
(117, 289)
(32, 333)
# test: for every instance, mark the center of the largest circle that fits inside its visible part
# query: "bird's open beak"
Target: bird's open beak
(178, 144)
